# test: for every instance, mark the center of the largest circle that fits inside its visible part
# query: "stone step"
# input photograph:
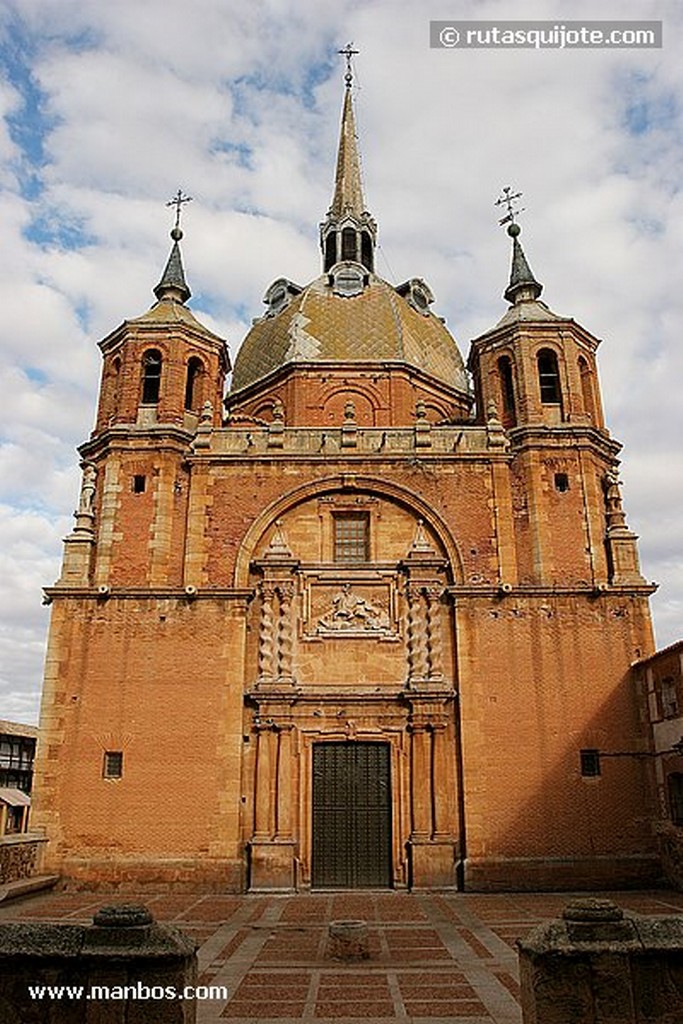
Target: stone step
(27, 887)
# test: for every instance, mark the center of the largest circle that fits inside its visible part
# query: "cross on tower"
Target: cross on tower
(507, 200)
(348, 52)
(178, 201)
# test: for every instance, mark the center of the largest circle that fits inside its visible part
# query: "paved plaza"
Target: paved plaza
(436, 958)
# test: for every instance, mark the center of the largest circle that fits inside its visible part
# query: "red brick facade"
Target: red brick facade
(352, 558)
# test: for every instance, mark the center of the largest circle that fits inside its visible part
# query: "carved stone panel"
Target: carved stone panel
(356, 606)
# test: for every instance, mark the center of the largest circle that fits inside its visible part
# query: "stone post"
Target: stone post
(598, 965)
(142, 967)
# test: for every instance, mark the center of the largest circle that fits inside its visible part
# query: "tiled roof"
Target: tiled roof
(168, 311)
(377, 325)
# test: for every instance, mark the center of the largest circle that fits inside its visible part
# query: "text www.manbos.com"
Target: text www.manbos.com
(139, 991)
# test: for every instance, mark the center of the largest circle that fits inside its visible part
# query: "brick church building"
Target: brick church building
(366, 622)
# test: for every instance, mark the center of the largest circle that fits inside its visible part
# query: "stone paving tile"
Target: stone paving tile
(211, 908)
(436, 958)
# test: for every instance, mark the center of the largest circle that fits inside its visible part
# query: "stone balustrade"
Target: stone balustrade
(20, 856)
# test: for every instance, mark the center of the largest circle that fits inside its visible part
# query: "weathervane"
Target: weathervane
(507, 200)
(348, 52)
(177, 201)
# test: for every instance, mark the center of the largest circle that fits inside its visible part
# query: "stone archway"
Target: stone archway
(351, 658)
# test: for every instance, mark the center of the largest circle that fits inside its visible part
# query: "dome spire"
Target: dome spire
(523, 286)
(348, 189)
(173, 284)
(349, 232)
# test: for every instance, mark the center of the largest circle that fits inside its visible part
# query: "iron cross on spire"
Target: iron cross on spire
(507, 200)
(177, 201)
(348, 52)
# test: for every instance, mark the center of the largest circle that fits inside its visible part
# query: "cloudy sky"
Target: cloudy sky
(108, 108)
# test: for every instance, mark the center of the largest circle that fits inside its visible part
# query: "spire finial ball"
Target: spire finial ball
(176, 234)
(514, 230)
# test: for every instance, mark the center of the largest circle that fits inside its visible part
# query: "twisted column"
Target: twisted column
(434, 633)
(417, 641)
(284, 632)
(266, 650)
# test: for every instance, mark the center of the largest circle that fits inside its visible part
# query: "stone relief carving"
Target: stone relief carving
(350, 611)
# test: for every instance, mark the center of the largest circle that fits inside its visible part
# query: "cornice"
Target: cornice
(189, 594)
(126, 435)
(506, 591)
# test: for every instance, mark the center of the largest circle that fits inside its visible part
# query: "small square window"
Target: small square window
(113, 764)
(590, 763)
(139, 483)
(561, 482)
(351, 537)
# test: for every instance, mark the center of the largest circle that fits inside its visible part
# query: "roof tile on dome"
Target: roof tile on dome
(377, 325)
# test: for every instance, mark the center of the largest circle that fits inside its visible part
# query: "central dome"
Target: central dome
(334, 320)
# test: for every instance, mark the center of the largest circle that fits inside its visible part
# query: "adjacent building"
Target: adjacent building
(659, 679)
(17, 753)
(367, 621)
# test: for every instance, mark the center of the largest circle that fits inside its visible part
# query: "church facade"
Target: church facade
(360, 624)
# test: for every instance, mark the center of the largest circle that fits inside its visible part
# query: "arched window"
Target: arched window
(349, 244)
(548, 377)
(330, 250)
(192, 383)
(366, 250)
(507, 389)
(151, 377)
(587, 388)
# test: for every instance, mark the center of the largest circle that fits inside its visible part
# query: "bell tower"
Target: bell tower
(162, 367)
(537, 368)
(535, 373)
(163, 376)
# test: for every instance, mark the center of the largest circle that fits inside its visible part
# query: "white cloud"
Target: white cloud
(239, 104)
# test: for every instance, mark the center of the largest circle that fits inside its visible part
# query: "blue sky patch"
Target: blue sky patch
(30, 123)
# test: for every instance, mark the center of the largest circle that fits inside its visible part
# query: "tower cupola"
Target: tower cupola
(161, 367)
(349, 232)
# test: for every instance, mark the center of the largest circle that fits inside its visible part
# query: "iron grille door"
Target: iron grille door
(351, 815)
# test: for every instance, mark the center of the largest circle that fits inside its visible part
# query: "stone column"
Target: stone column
(421, 781)
(284, 632)
(434, 633)
(445, 809)
(272, 847)
(266, 649)
(416, 637)
(266, 781)
(434, 821)
(284, 782)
